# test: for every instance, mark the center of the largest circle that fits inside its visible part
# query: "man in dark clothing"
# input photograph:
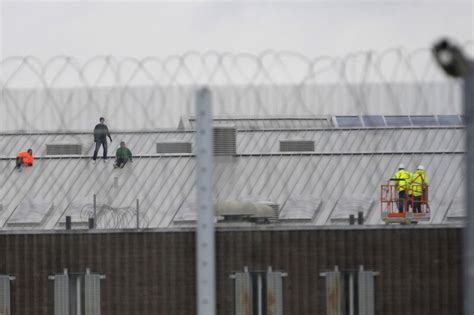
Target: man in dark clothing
(122, 156)
(100, 138)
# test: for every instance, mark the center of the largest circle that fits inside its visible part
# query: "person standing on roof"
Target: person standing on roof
(24, 159)
(100, 138)
(418, 185)
(402, 177)
(122, 156)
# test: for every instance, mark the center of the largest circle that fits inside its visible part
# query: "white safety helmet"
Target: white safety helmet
(421, 167)
(401, 166)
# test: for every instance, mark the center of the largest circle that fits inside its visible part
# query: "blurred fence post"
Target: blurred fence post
(469, 229)
(95, 210)
(205, 225)
(138, 214)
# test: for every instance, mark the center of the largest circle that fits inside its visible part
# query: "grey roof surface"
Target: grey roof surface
(330, 140)
(318, 188)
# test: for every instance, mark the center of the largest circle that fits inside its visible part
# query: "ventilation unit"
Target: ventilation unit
(296, 146)
(173, 147)
(350, 292)
(5, 295)
(77, 293)
(64, 149)
(258, 292)
(225, 143)
(246, 211)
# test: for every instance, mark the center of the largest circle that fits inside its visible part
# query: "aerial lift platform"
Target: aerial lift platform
(389, 205)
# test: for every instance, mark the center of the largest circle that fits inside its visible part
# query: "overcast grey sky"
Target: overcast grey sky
(85, 29)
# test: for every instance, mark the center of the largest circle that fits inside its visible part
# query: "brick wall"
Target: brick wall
(154, 272)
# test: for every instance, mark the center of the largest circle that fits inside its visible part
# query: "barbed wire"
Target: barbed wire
(109, 217)
(63, 93)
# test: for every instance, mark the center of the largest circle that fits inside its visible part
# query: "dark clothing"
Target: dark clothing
(101, 132)
(19, 162)
(416, 204)
(120, 162)
(402, 201)
(98, 143)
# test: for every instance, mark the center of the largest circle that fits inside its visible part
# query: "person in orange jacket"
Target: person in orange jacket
(24, 159)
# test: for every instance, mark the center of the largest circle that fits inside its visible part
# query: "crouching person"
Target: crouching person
(122, 156)
(24, 159)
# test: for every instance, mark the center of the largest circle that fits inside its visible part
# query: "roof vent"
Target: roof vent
(300, 209)
(457, 209)
(296, 146)
(225, 141)
(64, 149)
(187, 213)
(247, 211)
(173, 147)
(80, 211)
(30, 212)
(351, 205)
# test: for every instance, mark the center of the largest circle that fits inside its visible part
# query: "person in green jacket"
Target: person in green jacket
(122, 156)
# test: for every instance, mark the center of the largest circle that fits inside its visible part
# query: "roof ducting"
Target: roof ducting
(64, 149)
(296, 146)
(225, 143)
(240, 211)
(173, 147)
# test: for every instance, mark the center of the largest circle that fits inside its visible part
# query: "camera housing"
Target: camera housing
(450, 58)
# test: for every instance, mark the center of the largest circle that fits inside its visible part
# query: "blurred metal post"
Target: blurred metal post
(205, 225)
(138, 214)
(469, 230)
(95, 210)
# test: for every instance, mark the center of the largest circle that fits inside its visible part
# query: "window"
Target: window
(5, 293)
(77, 293)
(350, 292)
(397, 121)
(265, 289)
(373, 121)
(421, 120)
(348, 121)
(449, 120)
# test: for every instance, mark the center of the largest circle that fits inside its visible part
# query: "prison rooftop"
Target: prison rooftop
(312, 171)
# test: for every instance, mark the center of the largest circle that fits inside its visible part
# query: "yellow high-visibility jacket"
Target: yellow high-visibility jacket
(418, 183)
(404, 177)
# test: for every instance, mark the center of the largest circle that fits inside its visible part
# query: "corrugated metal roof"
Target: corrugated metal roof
(347, 164)
(164, 183)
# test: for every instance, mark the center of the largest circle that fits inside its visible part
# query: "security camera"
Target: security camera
(450, 58)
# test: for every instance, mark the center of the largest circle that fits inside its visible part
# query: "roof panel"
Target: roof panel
(423, 120)
(300, 208)
(30, 212)
(449, 120)
(348, 121)
(397, 121)
(373, 120)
